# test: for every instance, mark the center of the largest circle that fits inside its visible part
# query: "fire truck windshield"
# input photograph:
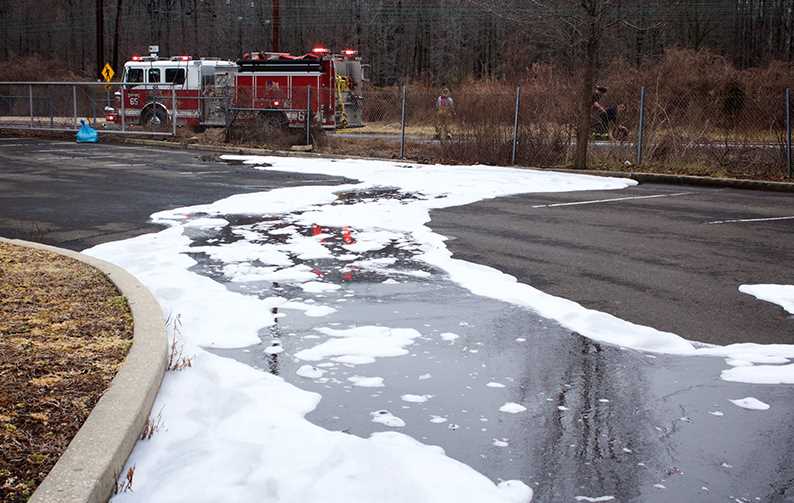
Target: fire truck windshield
(133, 75)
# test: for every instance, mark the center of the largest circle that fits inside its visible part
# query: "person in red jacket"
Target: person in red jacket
(445, 110)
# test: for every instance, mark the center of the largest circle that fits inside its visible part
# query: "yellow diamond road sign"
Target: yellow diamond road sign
(108, 72)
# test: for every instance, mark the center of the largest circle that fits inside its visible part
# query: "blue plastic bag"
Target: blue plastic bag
(86, 134)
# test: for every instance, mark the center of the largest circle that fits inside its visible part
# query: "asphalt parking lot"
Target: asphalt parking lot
(671, 257)
(79, 195)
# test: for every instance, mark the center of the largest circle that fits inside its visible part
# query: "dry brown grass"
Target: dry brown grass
(29, 68)
(64, 331)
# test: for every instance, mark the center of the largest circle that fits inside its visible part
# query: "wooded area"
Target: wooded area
(432, 40)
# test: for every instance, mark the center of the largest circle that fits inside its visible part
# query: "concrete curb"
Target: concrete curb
(86, 472)
(703, 181)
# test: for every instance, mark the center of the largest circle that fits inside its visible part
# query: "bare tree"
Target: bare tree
(581, 28)
(436, 41)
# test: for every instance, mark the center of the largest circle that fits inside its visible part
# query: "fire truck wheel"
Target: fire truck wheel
(154, 119)
(271, 122)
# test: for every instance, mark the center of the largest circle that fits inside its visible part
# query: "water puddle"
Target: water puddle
(391, 344)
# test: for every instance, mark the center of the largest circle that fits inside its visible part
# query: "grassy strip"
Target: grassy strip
(64, 332)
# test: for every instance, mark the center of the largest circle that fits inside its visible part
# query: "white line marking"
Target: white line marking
(611, 200)
(740, 220)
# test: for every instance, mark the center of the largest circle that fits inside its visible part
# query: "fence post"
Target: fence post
(515, 125)
(174, 110)
(74, 104)
(402, 123)
(641, 128)
(30, 97)
(123, 109)
(308, 115)
(788, 132)
(49, 106)
(227, 103)
(92, 97)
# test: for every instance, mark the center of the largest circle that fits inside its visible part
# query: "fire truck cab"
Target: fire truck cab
(155, 88)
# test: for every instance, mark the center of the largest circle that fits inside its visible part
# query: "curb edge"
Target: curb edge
(86, 471)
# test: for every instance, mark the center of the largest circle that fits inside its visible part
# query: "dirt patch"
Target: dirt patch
(64, 331)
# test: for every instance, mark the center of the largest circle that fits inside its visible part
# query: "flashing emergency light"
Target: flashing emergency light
(185, 58)
(276, 103)
(321, 50)
(350, 52)
(136, 58)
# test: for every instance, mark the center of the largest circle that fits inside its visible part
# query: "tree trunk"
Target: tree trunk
(116, 36)
(586, 94)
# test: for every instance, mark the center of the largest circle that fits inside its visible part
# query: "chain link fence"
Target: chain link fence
(729, 134)
(732, 132)
(701, 132)
(61, 106)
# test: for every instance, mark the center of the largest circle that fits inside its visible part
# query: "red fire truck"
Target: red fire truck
(263, 89)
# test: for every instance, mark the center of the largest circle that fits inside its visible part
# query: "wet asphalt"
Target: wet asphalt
(600, 420)
(77, 196)
(654, 261)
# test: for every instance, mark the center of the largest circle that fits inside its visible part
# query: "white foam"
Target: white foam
(750, 403)
(366, 382)
(495, 385)
(274, 349)
(782, 295)
(387, 418)
(449, 336)
(245, 251)
(761, 374)
(310, 372)
(319, 311)
(292, 274)
(308, 247)
(207, 223)
(319, 287)
(512, 408)
(233, 425)
(415, 398)
(210, 314)
(361, 345)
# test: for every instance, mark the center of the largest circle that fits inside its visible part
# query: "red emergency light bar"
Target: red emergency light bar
(136, 58)
(321, 50)
(350, 52)
(184, 58)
